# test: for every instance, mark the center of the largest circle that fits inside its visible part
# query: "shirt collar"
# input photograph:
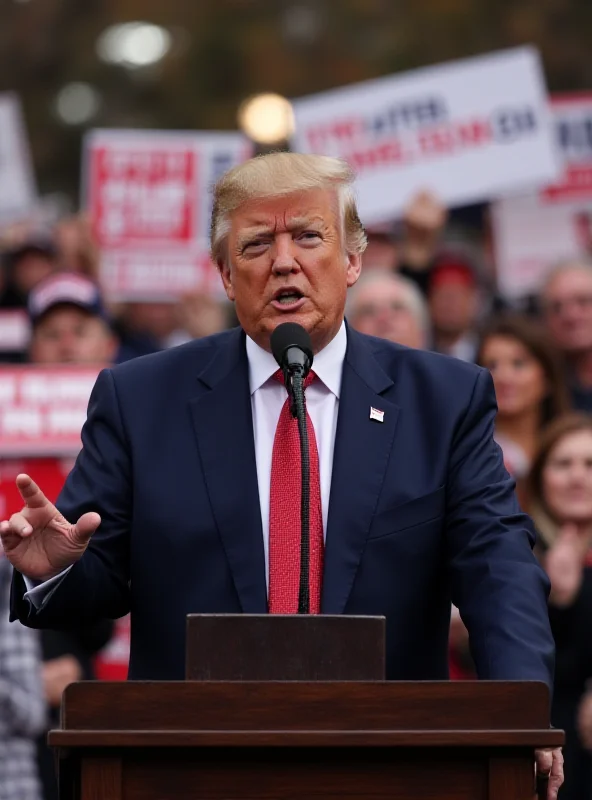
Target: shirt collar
(327, 365)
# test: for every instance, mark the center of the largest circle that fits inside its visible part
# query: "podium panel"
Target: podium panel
(285, 740)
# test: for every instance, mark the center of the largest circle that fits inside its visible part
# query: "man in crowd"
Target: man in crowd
(566, 301)
(454, 303)
(69, 322)
(390, 307)
(179, 502)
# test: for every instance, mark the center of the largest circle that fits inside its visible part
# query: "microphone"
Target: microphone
(292, 349)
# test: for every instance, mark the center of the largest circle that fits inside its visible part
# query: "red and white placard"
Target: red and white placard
(149, 196)
(43, 409)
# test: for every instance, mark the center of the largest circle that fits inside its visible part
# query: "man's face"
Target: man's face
(68, 335)
(383, 309)
(568, 310)
(286, 263)
(453, 307)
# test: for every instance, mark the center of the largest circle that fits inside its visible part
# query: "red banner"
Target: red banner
(143, 196)
(43, 409)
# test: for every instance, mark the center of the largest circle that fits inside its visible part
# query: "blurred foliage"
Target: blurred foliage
(225, 50)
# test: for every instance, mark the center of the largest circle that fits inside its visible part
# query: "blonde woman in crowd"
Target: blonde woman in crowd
(559, 499)
(529, 386)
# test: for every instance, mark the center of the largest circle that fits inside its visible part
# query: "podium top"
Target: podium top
(186, 713)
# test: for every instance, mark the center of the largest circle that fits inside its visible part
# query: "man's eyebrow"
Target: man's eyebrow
(296, 224)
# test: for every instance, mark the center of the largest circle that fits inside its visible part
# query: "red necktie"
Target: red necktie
(284, 514)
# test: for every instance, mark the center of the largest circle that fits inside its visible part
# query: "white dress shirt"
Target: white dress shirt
(322, 400)
(267, 399)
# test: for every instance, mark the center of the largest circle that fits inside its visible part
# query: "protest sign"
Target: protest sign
(43, 409)
(535, 230)
(17, 186)
(149, 198)
(468, 131)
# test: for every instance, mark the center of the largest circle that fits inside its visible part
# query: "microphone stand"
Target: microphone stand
(295, 380)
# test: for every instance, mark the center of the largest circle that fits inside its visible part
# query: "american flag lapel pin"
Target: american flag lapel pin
(376, 414)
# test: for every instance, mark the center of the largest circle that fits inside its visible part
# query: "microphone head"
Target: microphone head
(291, 346)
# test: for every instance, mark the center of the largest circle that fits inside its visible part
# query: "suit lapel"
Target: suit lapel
(362, 449)
(223, 423)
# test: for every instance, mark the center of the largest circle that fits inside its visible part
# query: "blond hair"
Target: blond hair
(280, 174)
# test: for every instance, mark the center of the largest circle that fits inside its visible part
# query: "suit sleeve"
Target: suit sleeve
(97, 586)
(497, 583)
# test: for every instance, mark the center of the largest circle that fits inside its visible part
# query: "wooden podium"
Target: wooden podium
(241, 739)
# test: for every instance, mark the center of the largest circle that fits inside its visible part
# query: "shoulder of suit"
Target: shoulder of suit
(194, 355)
(396, 356)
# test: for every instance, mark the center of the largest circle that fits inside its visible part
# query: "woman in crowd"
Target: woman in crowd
(559, 499)
(530, 390)
(529, 386)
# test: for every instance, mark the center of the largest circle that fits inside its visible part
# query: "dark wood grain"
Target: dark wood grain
(101, 779)
(511, 777)
(284, 740)
(273, 647)
(470, 739)
(194, 706)
(308, 775)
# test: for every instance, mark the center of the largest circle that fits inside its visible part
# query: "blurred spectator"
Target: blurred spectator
(391, 307)
(198, 314)
(566, 301)
(424, 220)
(21, 700)
(529, 386)
(78, 251)
(381, 251)
(454, 298)
(27, 263)
(147, 327)
(560, 502)
(69, 322)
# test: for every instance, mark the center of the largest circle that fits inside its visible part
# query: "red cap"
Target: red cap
(452, 272)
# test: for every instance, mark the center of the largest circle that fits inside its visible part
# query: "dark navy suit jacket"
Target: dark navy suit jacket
(421, 513)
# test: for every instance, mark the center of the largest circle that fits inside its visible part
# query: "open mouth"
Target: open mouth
(288, 297)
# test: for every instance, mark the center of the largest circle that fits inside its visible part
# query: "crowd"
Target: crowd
(428, 282)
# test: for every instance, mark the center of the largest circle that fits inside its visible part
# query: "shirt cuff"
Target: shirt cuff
(37, 592)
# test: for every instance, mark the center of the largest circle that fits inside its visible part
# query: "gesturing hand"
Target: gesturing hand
(38, 541)
(564, 564)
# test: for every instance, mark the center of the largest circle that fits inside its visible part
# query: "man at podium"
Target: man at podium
(185, 497)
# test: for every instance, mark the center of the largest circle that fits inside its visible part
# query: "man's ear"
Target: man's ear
(354, 267)
(226, 275)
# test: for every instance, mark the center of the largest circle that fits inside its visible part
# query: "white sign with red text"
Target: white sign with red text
(468, 131)
(43, 409)
(18, 194)
(149, 197)
(535, 230)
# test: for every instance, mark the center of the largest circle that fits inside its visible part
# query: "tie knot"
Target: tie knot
(279, 376)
